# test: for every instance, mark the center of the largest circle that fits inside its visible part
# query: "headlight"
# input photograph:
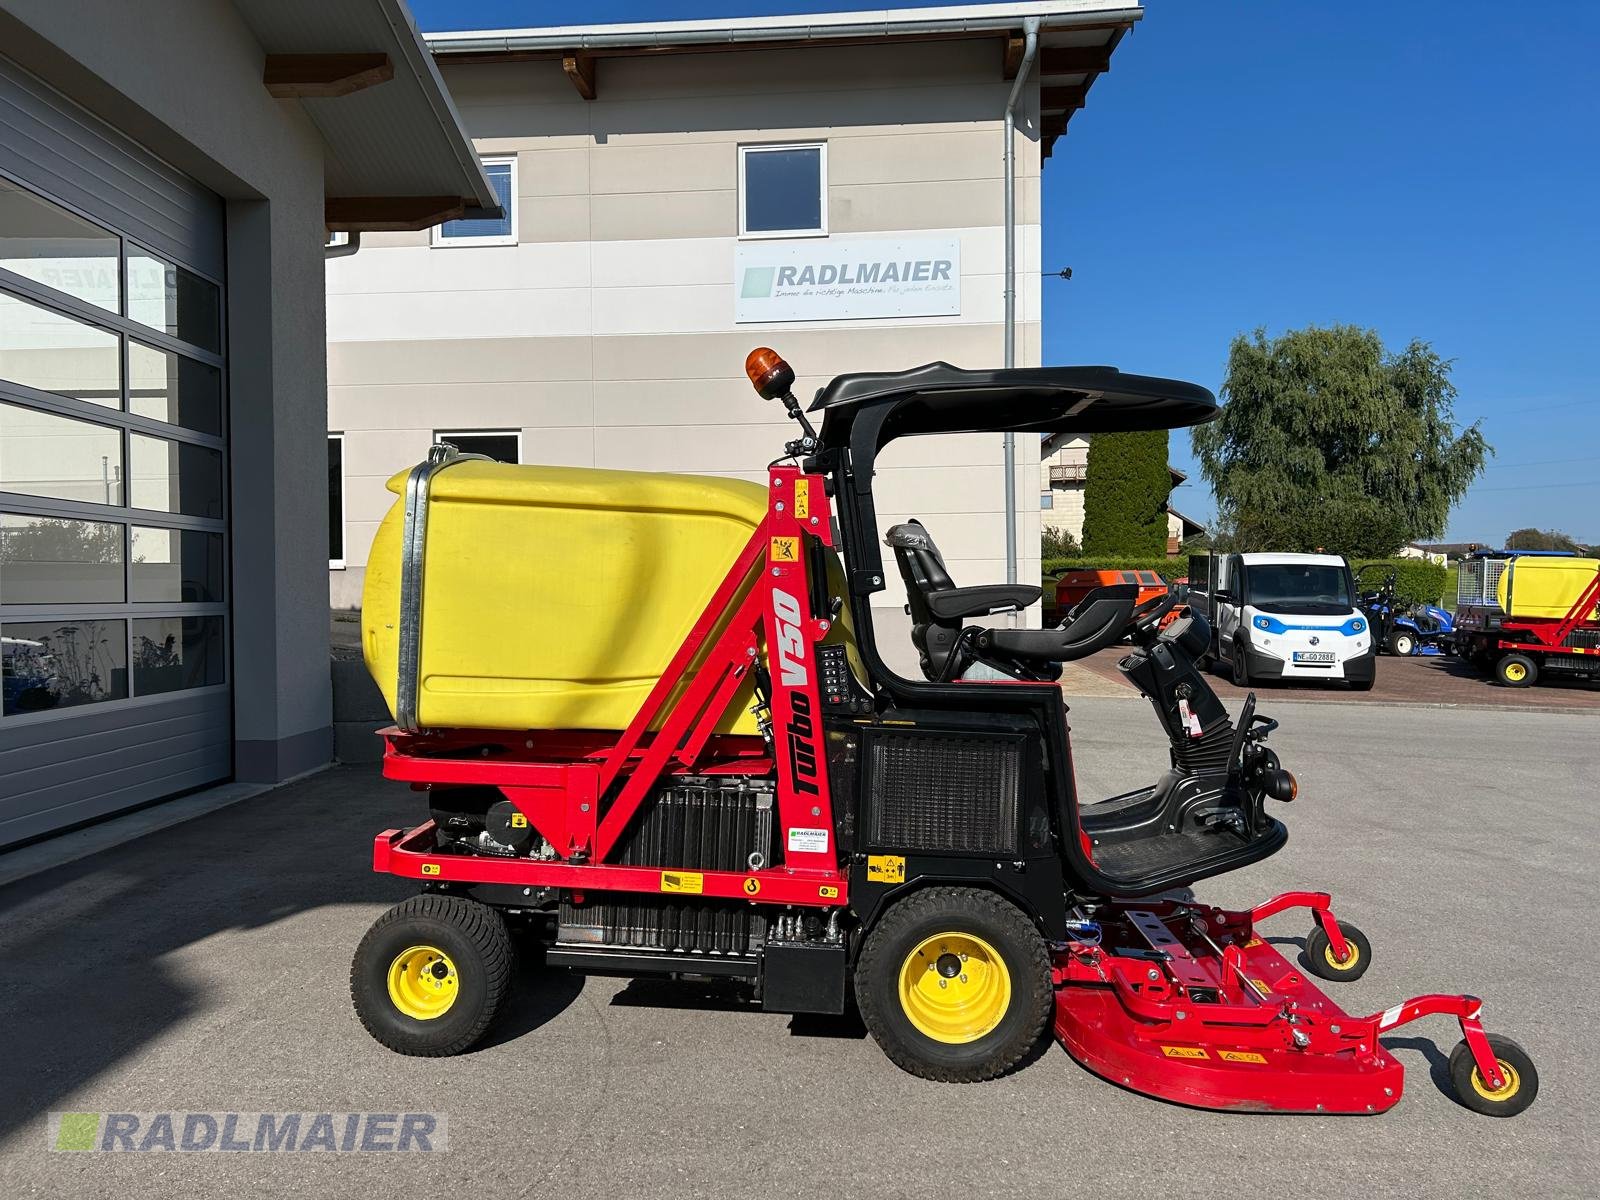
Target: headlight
(1358, 626)
(1263, 623)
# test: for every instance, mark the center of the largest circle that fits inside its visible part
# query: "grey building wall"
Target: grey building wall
(183, 78)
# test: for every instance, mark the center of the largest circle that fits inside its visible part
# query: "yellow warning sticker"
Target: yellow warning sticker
(1262, 984)
(785, 549)
(802, 499)
(1249, 1056)
(1252, 943)
(886, 868)
(828, 892)
(519, 821)
(752, 886)
(690, 882)
(430, 868)
(1184, 1052)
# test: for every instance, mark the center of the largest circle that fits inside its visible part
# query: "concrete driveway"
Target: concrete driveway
(204, 968)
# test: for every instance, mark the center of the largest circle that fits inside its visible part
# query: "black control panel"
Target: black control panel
(840, 692)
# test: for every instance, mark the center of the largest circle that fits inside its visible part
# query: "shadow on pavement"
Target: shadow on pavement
(99, 949)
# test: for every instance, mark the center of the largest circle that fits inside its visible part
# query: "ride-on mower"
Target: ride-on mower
(718, 775)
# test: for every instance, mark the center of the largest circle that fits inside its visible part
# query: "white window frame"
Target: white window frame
(438, 238)
(445, 435)
(338, 564)
(822, 184)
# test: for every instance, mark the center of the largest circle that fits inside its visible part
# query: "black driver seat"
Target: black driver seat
(938, 609)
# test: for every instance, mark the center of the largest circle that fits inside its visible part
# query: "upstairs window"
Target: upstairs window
(502, 173)
(783, 190)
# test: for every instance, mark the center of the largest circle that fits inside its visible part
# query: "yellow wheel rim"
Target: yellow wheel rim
(1516, 672)
(1507, 1090)
(1353, 950)
(423, 982)
(954, 988)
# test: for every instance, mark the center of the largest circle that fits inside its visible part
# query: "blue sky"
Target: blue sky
(1427, 169)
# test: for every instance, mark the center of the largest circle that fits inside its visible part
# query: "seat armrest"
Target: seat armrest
(953, 604)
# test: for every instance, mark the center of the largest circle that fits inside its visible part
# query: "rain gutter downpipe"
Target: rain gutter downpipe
(1030, 47)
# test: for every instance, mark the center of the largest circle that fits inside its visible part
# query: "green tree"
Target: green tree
(1125, 491)
(1329, 440)
(1058, 543)
(1542, 539)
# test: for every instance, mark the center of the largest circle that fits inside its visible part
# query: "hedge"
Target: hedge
(1415, 580)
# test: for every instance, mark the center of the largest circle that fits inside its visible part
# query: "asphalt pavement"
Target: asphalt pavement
(204, 967)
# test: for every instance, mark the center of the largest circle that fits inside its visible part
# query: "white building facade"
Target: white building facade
(679, 194)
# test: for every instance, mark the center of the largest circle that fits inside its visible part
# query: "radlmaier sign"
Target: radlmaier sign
(836, 280)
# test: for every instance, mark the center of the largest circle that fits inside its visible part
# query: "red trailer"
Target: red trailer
(1522, 615)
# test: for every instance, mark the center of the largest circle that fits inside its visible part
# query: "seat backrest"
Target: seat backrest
(921, 567)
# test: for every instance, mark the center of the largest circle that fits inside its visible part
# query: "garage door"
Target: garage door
(113, 524)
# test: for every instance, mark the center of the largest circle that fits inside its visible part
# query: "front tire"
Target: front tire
(431, 974)
(1240, 666)
(1402, 645)
(954, 984)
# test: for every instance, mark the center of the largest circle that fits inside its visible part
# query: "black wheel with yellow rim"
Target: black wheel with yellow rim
(954, 984)
(1519, 1085)
(1328, 965)
(1516, 670)
(431, 974)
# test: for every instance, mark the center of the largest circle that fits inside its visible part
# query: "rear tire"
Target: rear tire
(1519, 1090)
(1516, 670)
(431, 974)
(954, 984)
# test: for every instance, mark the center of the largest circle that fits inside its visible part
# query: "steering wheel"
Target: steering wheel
(1145, 620)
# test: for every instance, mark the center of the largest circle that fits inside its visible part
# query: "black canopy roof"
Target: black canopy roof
(939, 398)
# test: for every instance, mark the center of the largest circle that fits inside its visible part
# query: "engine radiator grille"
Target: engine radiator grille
(694, 825)
(944, 791)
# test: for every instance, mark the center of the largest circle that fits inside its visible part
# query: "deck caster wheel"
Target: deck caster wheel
(954, 984)
(431, 974)
(1323, 963)
(1521, 1078)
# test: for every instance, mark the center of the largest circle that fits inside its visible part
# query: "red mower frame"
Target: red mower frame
(556, 779)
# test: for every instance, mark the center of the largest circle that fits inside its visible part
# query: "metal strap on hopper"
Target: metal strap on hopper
(414, 547)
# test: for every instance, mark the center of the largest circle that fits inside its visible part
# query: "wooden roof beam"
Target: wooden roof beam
(391, 214)
(1012, 49)
(580, 69)
(1074, 60)
(324, 76)
(1069, 99)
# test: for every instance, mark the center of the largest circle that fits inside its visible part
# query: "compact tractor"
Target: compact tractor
(719, 775)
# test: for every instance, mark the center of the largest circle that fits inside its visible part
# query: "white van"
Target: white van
(1283, 616)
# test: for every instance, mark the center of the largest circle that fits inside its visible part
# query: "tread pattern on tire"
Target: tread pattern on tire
(1039, 991)
(484, 928)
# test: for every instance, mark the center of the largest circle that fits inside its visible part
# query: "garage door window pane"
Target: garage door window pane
(52, 560)
(782, 189)
(44, 242)
(174, 653)
(42, 454)
(178, 302)
(62, 664)
(169, 387)
(53, 353)
(175, 477)
(176, 566)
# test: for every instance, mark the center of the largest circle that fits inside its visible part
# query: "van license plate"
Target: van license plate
(1313, 656)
